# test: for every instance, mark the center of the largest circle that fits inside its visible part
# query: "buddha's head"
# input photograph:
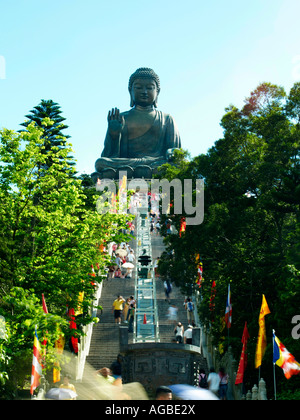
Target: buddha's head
(144, 87)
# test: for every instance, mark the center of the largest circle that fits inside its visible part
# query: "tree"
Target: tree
(52, 132)
(49, 238)
(250, 234)
(23, 312)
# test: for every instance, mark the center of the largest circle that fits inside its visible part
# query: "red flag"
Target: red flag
(44, 304)
(244, 357)
(73, 325)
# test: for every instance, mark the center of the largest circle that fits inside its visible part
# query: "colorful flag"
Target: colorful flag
(59, 346)
(262, 335)
(79, 310)
(182, 226)
(122, 185)
(228, 310)
(284, 359)
(44, 342)
(244, 357)
(199, 270)
(122, 194)
(200, 274)
(36, 371)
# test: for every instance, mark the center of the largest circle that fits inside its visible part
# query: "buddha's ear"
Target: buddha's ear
(131, 102)
(155, 101)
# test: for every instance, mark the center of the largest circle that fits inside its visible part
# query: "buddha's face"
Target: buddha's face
(144, 92)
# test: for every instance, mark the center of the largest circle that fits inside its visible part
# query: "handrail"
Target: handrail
(145, 287)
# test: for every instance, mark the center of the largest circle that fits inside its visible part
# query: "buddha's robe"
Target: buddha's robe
(148, 149)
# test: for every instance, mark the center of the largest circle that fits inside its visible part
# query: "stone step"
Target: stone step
(105, 346)
(105, 338)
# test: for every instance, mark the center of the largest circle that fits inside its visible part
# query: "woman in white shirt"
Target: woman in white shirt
(179, 330)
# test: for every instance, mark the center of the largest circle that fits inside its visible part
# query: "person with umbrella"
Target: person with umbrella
(189, 392)
(129, 266)
(67, 386)
(60, 394)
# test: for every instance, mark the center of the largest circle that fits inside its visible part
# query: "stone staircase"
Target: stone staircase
(165, 327)
(104, 346)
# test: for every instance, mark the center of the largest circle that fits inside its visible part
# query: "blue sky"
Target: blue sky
(208, 54)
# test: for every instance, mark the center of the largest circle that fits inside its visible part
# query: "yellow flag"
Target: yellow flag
(113, 203)
(262, 335)
(59, 346)
(79, 310)
(123, 184)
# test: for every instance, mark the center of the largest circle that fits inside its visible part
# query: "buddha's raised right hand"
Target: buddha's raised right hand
(116, 122)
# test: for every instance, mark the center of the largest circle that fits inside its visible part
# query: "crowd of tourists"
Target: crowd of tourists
(122, 261)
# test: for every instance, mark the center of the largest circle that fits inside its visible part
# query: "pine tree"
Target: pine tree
(53, 136)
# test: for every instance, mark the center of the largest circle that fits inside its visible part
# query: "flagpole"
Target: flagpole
(228, 313)
(32, 394)
(274, 372)
(228, 336)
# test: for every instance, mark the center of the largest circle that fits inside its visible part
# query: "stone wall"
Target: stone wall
(155, 364)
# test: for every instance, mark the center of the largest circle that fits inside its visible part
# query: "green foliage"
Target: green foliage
(291, 395)
(4, 358)
(50, 235)
(250, 234)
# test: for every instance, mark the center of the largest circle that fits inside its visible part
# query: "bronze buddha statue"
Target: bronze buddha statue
(141, 139)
